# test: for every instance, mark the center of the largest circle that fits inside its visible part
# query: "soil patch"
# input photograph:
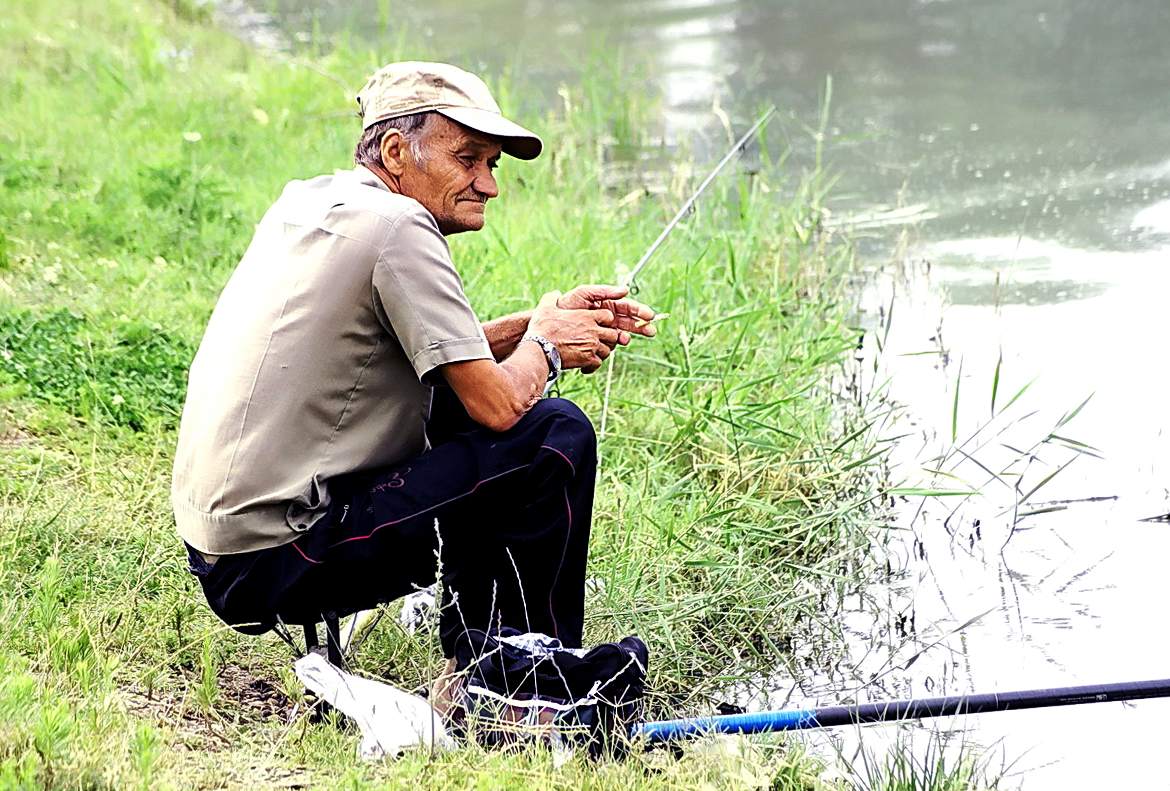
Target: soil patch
(243, 697)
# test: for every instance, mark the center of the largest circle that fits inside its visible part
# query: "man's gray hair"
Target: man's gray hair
(414, 129)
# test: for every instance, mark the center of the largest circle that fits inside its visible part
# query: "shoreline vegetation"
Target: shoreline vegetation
(139, 144)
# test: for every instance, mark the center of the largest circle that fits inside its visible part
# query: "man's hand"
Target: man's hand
(589, 322)
(630, 316)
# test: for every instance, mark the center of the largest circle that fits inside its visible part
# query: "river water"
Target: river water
(1029, 141)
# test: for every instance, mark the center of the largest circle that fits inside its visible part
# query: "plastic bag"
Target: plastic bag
(391, 721)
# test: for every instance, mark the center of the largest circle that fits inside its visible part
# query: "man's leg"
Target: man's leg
(513, 512)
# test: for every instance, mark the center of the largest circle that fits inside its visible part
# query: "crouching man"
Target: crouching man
(348, 413)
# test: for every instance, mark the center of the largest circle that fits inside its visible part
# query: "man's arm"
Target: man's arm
(496, 395)
(505, 332)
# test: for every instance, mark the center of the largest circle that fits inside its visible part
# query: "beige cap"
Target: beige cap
(415, 87)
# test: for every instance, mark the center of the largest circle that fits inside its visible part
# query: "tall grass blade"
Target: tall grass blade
(1018, 394)
(1065, 420)
(1046, 479)
(995, 381)
(955, 406)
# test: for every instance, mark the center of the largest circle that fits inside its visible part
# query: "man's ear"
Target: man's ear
(394, 152)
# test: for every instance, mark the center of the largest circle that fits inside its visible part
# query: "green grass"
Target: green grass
(138, 146)
(920, 759)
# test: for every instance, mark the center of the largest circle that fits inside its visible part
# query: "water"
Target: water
(1030, 139)
(1066, 596)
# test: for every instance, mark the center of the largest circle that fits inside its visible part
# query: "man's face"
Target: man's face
(454, 180)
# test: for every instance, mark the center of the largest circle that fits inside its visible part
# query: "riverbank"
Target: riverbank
(138, 146)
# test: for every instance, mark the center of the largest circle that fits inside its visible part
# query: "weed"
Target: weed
(207, 688)
(939, 765)
(145, 750)
(51, 735)
(131, 376)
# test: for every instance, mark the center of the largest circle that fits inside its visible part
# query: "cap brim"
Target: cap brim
(515, 139)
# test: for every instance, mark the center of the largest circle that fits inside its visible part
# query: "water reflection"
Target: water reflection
(1008, 595)
(1037, 293)
(1042, 117)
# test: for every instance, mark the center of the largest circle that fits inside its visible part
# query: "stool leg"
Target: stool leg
(332, 638)
(310, 637)
(320, 707)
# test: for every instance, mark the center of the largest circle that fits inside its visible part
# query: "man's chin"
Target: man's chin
(463, 224)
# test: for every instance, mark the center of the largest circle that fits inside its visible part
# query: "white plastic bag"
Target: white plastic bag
(390, 720)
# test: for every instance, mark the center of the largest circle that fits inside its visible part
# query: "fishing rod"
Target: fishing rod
(894, 710)
(686, 207)
(629, 280)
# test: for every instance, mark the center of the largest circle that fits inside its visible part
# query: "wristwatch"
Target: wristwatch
(550, 353)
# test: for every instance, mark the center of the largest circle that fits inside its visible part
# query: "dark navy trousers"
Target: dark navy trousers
(503, 518)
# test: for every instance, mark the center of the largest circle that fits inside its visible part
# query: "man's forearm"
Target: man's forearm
(505, 332)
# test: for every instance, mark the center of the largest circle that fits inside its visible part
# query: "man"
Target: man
(349, 422)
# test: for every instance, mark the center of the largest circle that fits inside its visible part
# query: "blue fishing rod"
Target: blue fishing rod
(894, 710)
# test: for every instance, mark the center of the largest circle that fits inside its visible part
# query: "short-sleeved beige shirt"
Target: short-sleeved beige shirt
(314, 361)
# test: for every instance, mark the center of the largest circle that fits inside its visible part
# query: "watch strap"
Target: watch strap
(551, 355)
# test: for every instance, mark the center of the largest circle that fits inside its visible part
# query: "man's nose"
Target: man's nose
(485, 183)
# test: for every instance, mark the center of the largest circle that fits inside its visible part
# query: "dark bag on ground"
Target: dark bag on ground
(519, 688)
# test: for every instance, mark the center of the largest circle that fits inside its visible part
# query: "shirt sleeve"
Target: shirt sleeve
(421, 297)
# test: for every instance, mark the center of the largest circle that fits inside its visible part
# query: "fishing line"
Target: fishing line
(630, 279)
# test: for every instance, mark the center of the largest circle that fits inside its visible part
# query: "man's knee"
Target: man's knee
(560, 408)
(568, 416)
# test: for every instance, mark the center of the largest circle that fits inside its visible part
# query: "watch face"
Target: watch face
(550, 354)
(554, 360)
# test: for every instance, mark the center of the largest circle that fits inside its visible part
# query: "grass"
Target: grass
(933, 760)
(138, 146)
